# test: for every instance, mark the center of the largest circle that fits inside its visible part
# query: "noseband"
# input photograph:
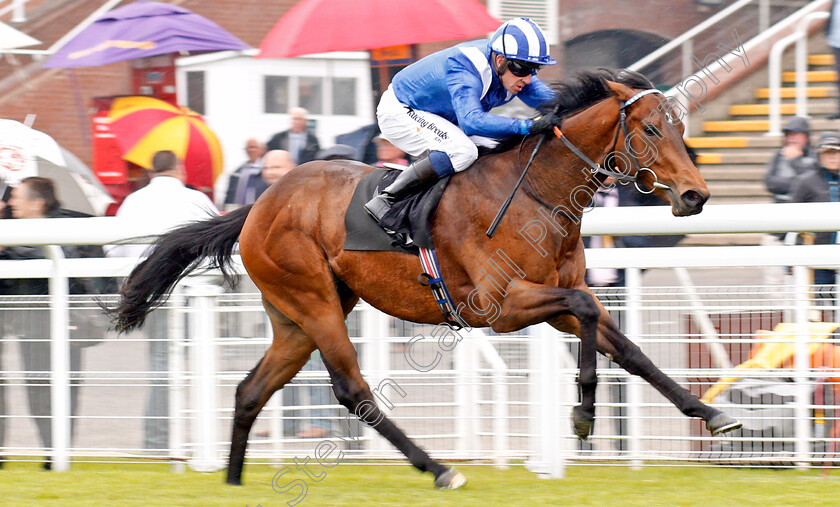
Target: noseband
(622, 127)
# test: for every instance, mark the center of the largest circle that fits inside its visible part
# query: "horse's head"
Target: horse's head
(653, 137)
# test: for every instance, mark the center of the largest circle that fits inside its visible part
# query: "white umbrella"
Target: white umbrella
(12, 39)
(26, 152)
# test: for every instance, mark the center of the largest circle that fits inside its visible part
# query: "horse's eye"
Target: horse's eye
(652, 131)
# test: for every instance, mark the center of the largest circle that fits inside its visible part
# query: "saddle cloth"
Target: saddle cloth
(411, 216)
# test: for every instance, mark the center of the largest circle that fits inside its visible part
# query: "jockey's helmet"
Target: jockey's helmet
(521, 39)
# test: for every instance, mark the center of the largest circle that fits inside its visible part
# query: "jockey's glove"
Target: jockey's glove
(543, 123)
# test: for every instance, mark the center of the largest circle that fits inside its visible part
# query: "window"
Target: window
(310, 94)
(195, 91)
(276, 94)
(344, 96)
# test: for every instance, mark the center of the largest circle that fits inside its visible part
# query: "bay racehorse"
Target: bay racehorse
(291, 245)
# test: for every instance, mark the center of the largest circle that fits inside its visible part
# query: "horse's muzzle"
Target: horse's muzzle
(692, 201)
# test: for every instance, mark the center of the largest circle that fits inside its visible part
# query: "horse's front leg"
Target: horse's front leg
(617, 347)
(527, 303)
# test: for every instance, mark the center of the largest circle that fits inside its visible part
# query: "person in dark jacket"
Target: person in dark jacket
(244, 182)
(794, 158)
(822, 185)
(298, 141)
(35, 198)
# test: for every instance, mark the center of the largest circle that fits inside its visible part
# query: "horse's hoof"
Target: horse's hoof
(582, 422)
(722, 423)
(451, 479)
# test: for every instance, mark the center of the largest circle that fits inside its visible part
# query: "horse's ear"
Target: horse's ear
(623, 92)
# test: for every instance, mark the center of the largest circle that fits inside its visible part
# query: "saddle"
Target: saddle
(409, 219)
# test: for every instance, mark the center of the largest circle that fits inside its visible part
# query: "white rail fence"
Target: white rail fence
(476, 396)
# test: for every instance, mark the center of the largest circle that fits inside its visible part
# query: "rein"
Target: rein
(594, 168)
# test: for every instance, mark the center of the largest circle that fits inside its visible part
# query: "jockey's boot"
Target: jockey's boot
(415, 178)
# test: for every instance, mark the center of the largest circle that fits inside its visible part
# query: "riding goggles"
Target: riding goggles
(522, 69)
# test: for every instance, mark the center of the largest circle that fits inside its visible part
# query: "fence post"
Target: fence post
(202, 298)
(552, 397)
(376, 364)
(801, 365)
(633, 279)
(59, 359)
(177, 378)
(467, 393)
(500, 403)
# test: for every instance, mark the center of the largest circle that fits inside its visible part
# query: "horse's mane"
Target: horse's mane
(577, 93)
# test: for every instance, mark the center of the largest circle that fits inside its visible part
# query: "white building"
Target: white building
(241, 96)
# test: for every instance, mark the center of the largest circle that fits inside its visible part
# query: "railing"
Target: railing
(771, 19)
(800, 37)
(685, 42)
(486, 401)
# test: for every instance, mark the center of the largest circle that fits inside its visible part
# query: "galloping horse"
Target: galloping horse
(291, 244)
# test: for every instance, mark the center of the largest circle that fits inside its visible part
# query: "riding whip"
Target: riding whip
(506, 205)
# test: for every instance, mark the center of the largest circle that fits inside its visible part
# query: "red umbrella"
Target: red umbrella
(145, 125)
(320, 26)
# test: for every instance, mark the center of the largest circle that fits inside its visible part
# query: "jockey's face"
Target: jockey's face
(512, 83)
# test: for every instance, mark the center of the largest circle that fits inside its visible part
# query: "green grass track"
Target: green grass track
(87, 484)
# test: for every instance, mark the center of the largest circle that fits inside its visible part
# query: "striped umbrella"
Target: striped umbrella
(145, 125)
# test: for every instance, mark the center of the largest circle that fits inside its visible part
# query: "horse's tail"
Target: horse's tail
(175, 255)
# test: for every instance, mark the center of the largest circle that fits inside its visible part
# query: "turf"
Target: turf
(363, 485)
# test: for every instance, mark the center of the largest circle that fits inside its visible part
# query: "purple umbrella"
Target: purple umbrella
(142, 29)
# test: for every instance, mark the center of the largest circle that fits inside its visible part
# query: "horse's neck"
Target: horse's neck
(560, 178)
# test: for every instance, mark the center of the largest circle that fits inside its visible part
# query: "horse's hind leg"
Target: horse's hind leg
(287, 354)
(353, 392)
(323, 320)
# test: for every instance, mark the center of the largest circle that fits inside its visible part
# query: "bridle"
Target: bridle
(593, 167)
(622, 127)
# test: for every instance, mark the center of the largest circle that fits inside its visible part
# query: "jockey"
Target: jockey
(438, 107)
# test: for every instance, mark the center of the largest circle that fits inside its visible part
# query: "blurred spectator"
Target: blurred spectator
(387, 153)
(245, 180)
(822, 185)
(35, 197)
(276, 163)
(795, 157)
(832, 29)
(298, 141)
(337, 152)
(164, 199)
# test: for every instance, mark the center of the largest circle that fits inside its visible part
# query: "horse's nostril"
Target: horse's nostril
(693, 198)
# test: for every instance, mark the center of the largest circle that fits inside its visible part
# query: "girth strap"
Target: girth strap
(432, 278)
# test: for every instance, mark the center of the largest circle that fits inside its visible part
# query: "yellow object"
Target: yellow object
(709, 158)
(718, 142)
(773, 355)
(813, 92)
(759, 109)
(736, 125)
(811, 75)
